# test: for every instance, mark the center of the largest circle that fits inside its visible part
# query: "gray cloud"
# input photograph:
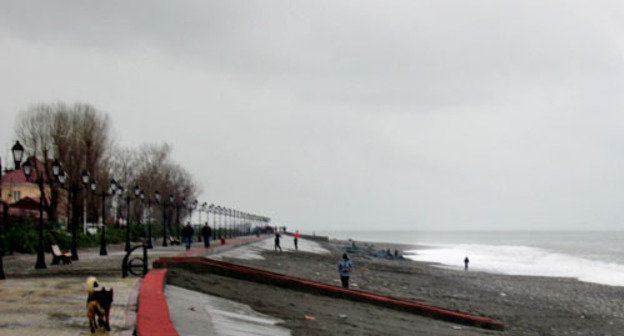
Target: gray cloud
(352, 115)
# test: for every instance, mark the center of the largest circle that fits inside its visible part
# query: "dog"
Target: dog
(99, 303)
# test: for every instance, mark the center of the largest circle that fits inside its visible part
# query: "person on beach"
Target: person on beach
(187, 235)
(466, 261)
(296, 239)
(344, 269)
(277, 241)
(206, 233)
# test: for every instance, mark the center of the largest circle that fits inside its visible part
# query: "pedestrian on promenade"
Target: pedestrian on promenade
(344, 269)
(206, 233)
(277, 241)
(296, 235)
(187, 235)
(466, 261)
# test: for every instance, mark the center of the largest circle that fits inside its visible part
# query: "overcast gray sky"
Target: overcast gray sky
(350, 114)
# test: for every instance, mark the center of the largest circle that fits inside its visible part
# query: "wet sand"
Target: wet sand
(527, 305)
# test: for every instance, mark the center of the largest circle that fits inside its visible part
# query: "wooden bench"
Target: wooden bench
(173, 241)
(58, 255)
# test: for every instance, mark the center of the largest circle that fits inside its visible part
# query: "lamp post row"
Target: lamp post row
(239, 222)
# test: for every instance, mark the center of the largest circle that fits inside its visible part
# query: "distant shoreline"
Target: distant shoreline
(590, 260)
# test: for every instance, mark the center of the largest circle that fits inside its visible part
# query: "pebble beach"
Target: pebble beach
(527, 305)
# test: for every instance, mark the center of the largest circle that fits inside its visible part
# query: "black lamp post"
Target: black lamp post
(119, 193)
(157, 198)
(62, 178)
(128, 199)
(228, 221)
(74, 243)
(178, 216)
(228, 214)
(138, 194)
(18, 152)
(220, 212)
(237, 222)
(103, 194)
(149, 221)
(136, 191)
(171, 204)
(217, 220)
(191, 208)
(202, 208)
(214, 228)
(27, 167)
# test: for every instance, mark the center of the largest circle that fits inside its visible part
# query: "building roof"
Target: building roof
(27, 206)
(17, 175)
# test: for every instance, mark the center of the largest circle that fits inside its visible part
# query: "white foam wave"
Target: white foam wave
(523, 260)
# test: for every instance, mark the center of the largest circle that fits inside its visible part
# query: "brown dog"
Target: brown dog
(98, 304)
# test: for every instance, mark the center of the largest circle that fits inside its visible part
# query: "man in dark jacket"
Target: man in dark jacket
(206, 233)
(187, 235)
(344, 269)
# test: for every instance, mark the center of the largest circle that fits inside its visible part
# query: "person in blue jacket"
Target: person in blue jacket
(344, 269)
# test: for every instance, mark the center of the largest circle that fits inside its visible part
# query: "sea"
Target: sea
(591, 256)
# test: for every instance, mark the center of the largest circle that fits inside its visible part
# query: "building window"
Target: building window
(17, 195)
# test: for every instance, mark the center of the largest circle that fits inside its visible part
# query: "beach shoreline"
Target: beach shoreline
(527, 305)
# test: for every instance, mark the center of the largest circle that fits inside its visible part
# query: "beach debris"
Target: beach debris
(503, 294)
(192, 308)
(343, 316)
(311, 318)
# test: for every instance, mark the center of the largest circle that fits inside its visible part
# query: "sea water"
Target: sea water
(592, 256)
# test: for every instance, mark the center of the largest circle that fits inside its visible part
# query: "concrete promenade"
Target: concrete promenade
(52, 301)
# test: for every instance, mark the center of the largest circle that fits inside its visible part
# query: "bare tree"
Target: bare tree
(78, 135)
(151, 168)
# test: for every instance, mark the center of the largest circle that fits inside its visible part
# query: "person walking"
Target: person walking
(206, 233)
(344, 269)
(187, 235)
(296, 239)
(277, 241)
(466, 261)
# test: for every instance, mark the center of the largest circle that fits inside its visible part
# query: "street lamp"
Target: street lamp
(211, 208)
(157, 198)
(228, 216)
(103, 194)
(128, 199)
(149, 220)
(139, 195)
(85, 181)
(217, 220)
(27, 167)
(18, 154)
(172, 205)
(202, 208)
(178, 216)
(191, 208)
(136, 190)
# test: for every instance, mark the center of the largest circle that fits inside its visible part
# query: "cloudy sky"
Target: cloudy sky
(349, 114)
